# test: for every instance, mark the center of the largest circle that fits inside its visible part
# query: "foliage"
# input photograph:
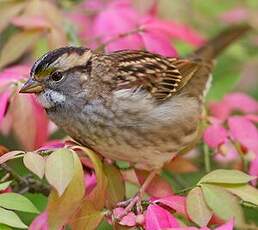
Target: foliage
(52, 182)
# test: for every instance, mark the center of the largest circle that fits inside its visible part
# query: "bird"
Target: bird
(130, 105)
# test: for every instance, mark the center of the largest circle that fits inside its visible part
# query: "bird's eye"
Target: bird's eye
(56, 76)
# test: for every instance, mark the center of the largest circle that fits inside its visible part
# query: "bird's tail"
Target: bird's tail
(216, 45)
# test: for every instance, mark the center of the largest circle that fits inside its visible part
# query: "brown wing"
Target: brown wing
(162, 77)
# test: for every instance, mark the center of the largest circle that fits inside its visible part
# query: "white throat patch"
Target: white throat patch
(50, 98)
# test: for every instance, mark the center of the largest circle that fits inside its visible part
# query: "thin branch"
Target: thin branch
(27, 183)
(117, 37)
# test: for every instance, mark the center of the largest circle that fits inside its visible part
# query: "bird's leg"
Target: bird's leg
(136, 200)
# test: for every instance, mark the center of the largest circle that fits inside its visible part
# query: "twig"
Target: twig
(27, 183)
(119, 36)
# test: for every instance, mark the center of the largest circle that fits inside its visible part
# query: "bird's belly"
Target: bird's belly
(145, 150)
(141, 132)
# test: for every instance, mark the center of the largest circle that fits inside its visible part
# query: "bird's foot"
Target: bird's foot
(129, 205)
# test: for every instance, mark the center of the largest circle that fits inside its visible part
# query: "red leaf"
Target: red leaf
(158, 218)
(227, 226)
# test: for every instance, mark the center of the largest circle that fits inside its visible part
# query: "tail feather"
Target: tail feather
(215, 46)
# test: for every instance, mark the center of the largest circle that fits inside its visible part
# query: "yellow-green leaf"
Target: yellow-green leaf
(35, 163)
(17, 45)
(224, 204)
(98, 195)
(60, 209)
(88, 217)
(18, 202)
(246, 192)
(9, 10)
(197, 209)
(10, 218)
(59, 169)
(116, 186)
(226, 177)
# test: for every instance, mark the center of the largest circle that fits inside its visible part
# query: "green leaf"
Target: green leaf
(246, 192)
(61, 208)
(116, 186)
(10, 218)
(35, 163)
(17, 202)
(197, 209)
(224, 204)
(225, 77)
(5, 185)
(225, 176)
(17, 45)
(59, 169)
(4, 227)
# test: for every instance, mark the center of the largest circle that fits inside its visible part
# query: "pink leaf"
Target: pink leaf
(41, 121)
(242, 102)
(173, 30)
(227, 226)
(4, 100)
(253, 170)
(90, 182)
(233, 102)
(226, 153)
(40, 222)
(245, 132)
(215, 135)
(128, 220)
(52, 144)
(185, 228)
(14, 73)
(158, 43)
(116, 19)
(30, 22)
(235, 15)
(252, 117)
(219, 110)
(178, 203)
(158, 218)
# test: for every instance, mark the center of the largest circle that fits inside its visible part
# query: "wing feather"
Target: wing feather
(162, 77)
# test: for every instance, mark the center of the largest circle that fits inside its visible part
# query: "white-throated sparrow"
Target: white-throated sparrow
(128, 105)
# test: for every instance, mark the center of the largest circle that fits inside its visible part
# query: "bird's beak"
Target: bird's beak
(31, 86)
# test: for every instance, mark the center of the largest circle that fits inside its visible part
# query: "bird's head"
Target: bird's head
(58, 74)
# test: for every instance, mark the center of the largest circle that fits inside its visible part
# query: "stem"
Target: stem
(184, 190)
(15, 175)
(207, 162)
